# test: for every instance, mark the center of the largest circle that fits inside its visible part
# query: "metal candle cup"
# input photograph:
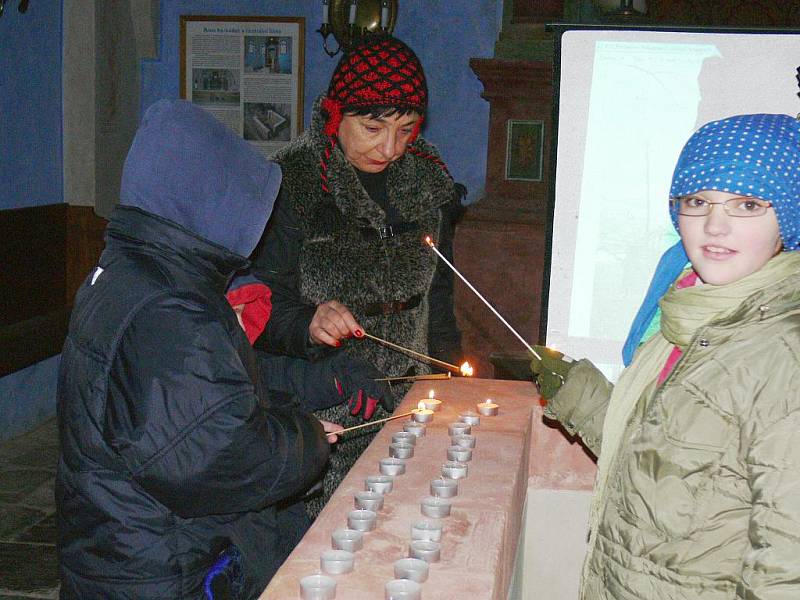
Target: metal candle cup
(470, 418)
(401, 450)
(337, 562)
(459, 429)
(422, 415)
(362, 519)
(382, 484)
(318, 587)
(402, 589)
(393, 466)
(426, 530)
(444, 488)
(425, 550)
(488, 409)
(464, 440)
(418, 429)
(368, 500)
(459, 454)
(347, 539)
(404, 436)
(414, 569)
(435, 507)
(455, 470)
(431, 402)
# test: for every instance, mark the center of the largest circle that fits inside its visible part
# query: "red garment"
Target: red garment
(690, 280)
(256, 298)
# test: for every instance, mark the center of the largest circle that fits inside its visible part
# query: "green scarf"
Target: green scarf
(683, 312)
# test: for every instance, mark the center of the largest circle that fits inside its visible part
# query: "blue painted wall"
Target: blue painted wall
(30, 169)
(30, 105)
(444, 33)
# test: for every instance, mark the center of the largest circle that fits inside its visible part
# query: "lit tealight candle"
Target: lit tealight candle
(431, 402)
(318, 587)
(459, 454)
(369, 500)
(418, 429)
(488, 408)
(336, 562)
(401, 450)
(454, 470)
(414, 569)
(362, 519)
(347, 539)
(470, 418)
(425, 550)
(422, 414)
(435, 507)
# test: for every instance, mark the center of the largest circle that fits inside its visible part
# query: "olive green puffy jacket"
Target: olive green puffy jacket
(703, 498)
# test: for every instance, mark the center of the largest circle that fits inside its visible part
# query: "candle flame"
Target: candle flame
(431, 395)
(421, 405)
(429, 241)
(466, 369)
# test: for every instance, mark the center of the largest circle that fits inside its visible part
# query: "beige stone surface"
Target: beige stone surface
(480, 537)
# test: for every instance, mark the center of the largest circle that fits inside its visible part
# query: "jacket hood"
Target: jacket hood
(186, 166)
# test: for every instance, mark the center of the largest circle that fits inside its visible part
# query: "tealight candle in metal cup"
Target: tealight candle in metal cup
(414, 569)
(347, 539)
(455, 470)
(431, 402)
(426, 530)
(488, 409)
(369, 500)
(401, 450)
(459, 429)
(402, 589)
(404, 436)
(317, 587)
(425, 550)
(362, 519)
(418, 429)
(470, 418)
(422, 414)
(459, 454)
(444, 488)
(382, 484)
(435, 507)
(393, 466)
(464, 440)
(336, 562)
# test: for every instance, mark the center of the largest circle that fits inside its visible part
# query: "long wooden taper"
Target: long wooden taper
(394, 346)
(368, 423)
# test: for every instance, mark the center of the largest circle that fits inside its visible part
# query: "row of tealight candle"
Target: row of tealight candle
(426, 534)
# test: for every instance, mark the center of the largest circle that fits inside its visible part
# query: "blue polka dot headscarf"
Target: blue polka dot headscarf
(751, 155)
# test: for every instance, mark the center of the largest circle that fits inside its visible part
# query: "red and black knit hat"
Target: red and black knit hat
(378, 72)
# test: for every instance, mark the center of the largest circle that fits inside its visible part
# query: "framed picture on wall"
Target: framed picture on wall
(524, 150)
(247, 72)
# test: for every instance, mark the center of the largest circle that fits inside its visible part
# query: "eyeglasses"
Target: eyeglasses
(744, 206)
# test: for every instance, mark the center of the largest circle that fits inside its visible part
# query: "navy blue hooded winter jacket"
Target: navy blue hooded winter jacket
(170, 449)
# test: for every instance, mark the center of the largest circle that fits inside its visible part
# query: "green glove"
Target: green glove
(550, 371)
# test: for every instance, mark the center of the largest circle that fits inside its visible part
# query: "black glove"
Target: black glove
(356, 382)
(550, 371)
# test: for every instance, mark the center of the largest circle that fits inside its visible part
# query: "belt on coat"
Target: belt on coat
(387, 231)
(386, 308)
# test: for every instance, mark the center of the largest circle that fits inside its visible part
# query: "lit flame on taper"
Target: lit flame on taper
(466, 369)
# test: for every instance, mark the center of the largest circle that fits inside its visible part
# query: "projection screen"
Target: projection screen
(628, 100)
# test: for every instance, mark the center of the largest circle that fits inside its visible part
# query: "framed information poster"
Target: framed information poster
(247, 72)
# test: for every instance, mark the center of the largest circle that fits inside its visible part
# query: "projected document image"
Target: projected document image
(628, 102)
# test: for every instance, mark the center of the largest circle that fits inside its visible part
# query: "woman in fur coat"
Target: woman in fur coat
(344, 252)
